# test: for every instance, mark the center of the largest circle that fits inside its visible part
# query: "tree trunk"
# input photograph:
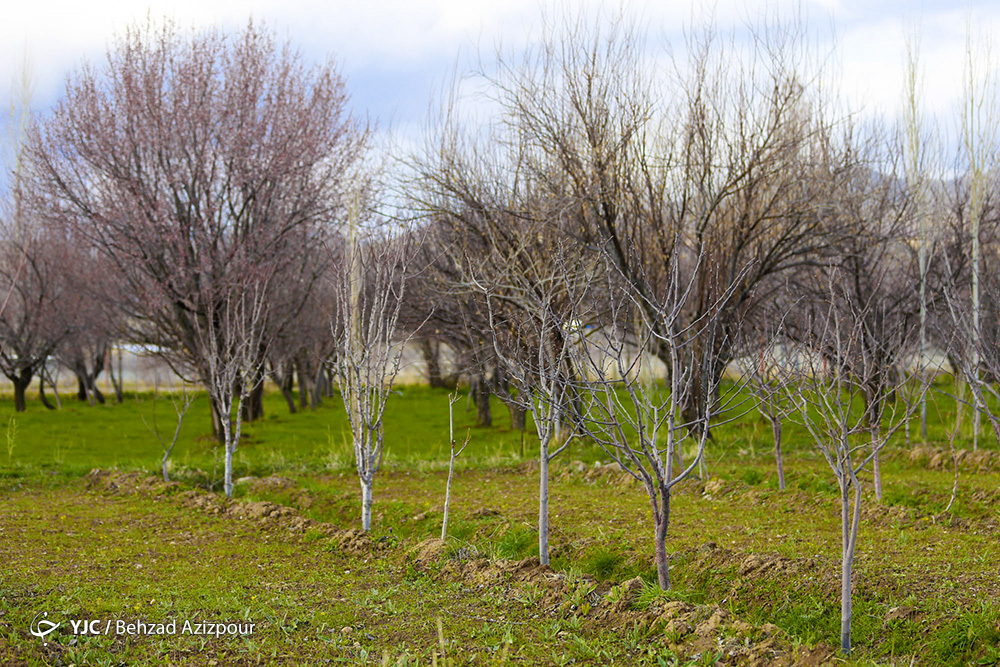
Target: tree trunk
(301, 374)
(218, 431)
(116, 378)
(660, 533)
(366, 506)
(228, 479)
(166, 475)
(316, 397)
(481, 389)
(253, 407)
(543, 506)
(431, 351)
(87, 386)
(21, 383)
(518, 416)
(447, 491)
(776, 430)
(876, 468)
(41, 392)
(845, 589)
(286, 382)
(850, 520)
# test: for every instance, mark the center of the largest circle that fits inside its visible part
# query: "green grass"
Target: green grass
(910, 555)
(72, 441)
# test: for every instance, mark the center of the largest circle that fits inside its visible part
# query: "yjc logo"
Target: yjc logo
(41, 627)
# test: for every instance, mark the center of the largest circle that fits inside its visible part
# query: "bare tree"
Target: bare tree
(205, 167)
(369, 292)
(538, 298)
(456, 451)
(916, 155)
(763, 380)
(830, 373)
(181, 406)
(38, 313)
(640, 423)
(980, 124)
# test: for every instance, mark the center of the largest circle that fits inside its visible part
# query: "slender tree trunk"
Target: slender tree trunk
(845, 575)
(228, 439)
(54, 383)
(166, 475)
(447, 492)
(661, 521)
(287, 382)
(850, 521)
(316, 397)
(228, 480)
(302, 376)
(366, 505)
(776, 430)
(876, 468)
(41, 392)
(543, 505)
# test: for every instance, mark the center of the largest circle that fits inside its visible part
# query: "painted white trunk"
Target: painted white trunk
(366, 506)
(543, 506)
(228, 479)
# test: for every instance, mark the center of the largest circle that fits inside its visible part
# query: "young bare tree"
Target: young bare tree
(455, 451)
(763, 380)
(181, 405)
(369, 292)
(916, 168)
(980, 126)
(538, 298)
(642, 424)
(838, 382)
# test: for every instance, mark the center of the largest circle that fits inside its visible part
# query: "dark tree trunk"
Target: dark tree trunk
(41, 392)
(517, 416)
(253, 407)
(481, 390)
(21, 382)
(217, 431)
(285, 379)
(87, 386)
(431, 350)
(315, 399)
(661, 522)
(302, 373)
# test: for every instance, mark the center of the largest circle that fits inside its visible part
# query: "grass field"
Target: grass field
(755, 569)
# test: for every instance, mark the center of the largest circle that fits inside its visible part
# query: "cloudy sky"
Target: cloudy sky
(395, 53)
